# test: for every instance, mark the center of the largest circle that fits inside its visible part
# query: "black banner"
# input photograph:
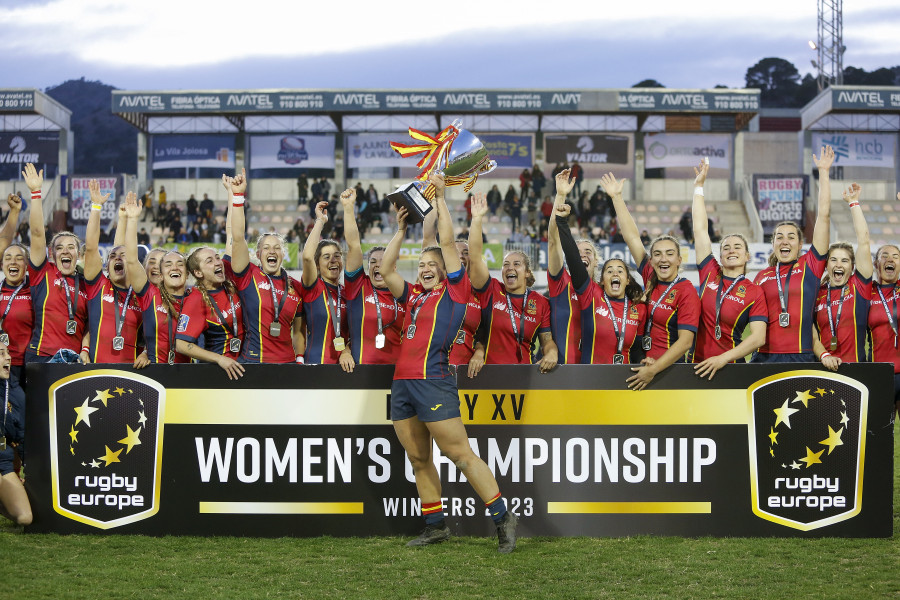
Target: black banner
(762, 450)
(586, 149)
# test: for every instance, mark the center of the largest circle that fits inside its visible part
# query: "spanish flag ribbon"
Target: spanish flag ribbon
(434, 149)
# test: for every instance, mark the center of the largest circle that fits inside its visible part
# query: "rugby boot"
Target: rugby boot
(432, 534)
(506, 533)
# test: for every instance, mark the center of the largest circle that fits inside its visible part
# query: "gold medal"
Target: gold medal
(339, 343)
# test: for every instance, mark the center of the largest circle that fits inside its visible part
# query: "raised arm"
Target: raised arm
(8, 233)
(93, 264)
(445, 225)
(389, 273)
(429, 230)
(822, 230)
(702, 244)
(310, 270)
(627, 226)
(137, 276)
(240, 252)
(568, 246)
(121, 222)
(34, 180)
(564, 185)
(863, 244)
(351, 232)
(478, 269)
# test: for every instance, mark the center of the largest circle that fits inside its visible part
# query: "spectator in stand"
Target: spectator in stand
(494, 199)
(546, 210)
(578, 174)
(508, 198)
(514, 207)
(385, 210)
(143, 237)
(532, 208)
(686, 224)
(316, 190)
(173, 219)
(302, 190)
(645, 237)
(538, 181)
(206, 209)
(193, 207)
(147, 203)
(372, 195)
(326, 188)
(162, 202)
(468, 206)
(614, 234)
(524, 183)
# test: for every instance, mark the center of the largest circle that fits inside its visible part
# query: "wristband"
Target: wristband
(36, 195)
(854, 203)
(698, 191)
(96, 206)
(86, 349)
(238, 200)
(299, 359)
(823, 355)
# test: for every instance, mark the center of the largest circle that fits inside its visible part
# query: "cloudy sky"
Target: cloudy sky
(190, 44)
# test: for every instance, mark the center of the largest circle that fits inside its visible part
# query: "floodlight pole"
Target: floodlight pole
(830, 43)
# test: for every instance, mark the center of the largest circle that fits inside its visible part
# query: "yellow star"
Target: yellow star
(73, 434)
(804, 397)
(844, 419)
(103, 396)
(84, 412)
(812, 458)
(772, 435)
(83, 464)
(784, 414)
(72, 450)
(112, 457)
(131, 440)
(820, 392)
(795, 465)
(834, 439)
(95, 464)
(772, 452)
(118, 391)
(843, 403)
(143, 419)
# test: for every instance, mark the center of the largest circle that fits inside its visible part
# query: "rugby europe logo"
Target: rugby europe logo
(106, 431)
(807, 439)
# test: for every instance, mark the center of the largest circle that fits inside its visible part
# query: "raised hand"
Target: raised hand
(14, 202)
(96, 196)
(226, 182)
(479, 205)
(401, 217)
(239, 183)
(437, 180)
(826, 158)
(611, 185)
(562, 209)
(564, 182)
(701, 172)
(33, 178)
(322, 212)
(851, 194)
(348, 198)
(131, 206)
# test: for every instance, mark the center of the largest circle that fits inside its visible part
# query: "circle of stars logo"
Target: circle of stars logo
(112, 450)
(803, 401)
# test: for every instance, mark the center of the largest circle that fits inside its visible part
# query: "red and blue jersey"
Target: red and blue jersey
(464, 345)
(680, 309)
(598, 333)
(439, 314)
(362, 316)
(530, 312)
(199, 318)
(565, 317)
(48, 299)
(258, 309)
(19, 320)
(885, 343)
(805, 278)
(854, 321)
(743, 304)
(104, 301)
(158, 322)
(320, 322)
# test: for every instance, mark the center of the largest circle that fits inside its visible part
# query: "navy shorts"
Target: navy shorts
(800, 357)
(7, 458)
(429, 399)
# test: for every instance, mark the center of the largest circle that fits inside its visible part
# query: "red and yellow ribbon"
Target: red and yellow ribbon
(435, 150)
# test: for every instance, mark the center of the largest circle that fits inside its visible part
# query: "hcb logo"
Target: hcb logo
(106, 431)
(807, 448)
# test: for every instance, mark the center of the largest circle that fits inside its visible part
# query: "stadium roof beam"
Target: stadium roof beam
(237, 121)
(853, 107)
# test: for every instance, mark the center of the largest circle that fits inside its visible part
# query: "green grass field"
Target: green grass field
(54, 566)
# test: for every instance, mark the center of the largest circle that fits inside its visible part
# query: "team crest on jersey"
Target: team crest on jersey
(183, 321)
(532, 306)
(807, 432)
(670, 299)
(106, 447)
(633, 313)
(741, 291)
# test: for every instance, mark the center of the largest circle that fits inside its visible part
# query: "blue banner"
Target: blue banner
(183, 151)
(516, 151)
